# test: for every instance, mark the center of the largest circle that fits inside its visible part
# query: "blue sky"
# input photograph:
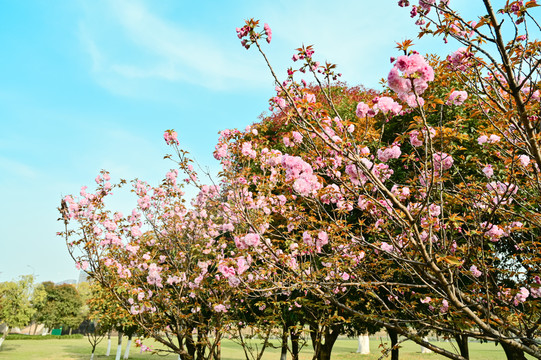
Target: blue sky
(90, 85)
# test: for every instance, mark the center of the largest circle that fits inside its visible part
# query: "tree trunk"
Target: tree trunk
(331, 334)
(218, 351)
(462, 341)
(324, 353)
(4, 335)
(190, 345)
(127, 351)
(201, 343)
(294, 334)
(364, 345)
(119, 346)
(93, 350)
(513, 353)
(425, 350)
(70, 331)
(393, 335)
(315, 335)
(108, 344)
(283, 355)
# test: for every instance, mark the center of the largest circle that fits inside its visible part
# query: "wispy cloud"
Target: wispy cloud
(90, 47)
(160, 51)
(14, 169)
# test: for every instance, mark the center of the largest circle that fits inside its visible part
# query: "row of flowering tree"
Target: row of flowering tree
(414, 209)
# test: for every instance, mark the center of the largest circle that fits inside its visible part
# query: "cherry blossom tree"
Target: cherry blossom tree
(166, 277)
(421, 199)
(436, 178)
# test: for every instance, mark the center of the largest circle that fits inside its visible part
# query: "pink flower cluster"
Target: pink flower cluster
(392, 152)
(300, 172)
(154, 277)
(144, 348)
(475, 272)
(386, 104)
(247, 150)
(220, 308)
(268, 32)
(363, 110)
(297, 139)
(501, 192)
(386, 247)
(170, 137)
(521, 296)
(493, 232)
(321, 240)
(221, 151)
(243, 31)
(459, 60)
(442, 161)
(358, 177)
(457, 98)
(416, 73)
(492, 139)
(524, 160)
(488, 171)
(414, 136)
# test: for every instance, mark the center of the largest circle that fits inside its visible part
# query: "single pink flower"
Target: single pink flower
(268, 31)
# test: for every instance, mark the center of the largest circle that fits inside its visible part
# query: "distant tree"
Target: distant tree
(61, 306)
(39, 295)
(85, 292)
(15, 305)
(94, 333)
(109, 314)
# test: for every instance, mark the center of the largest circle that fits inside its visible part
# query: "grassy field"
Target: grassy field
(344, 349)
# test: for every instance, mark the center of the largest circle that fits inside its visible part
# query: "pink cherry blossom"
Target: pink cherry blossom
(475, 272)
(362, 110)
(392, 152)
(287, 142)
(488, 171)
(492, 139)
(459, 59)
(457, 98)
(386, 104)
(252, 239)
(307, 238)
(154, 277)
(386, 247)
(414, 139)
(524, 160)
(135, 231)
(521, 296)
(220, 308)
(322, 240)
(493, 232)
(442, 161)
(444, 306)
(297, 137)
(170, 137)
(247, 150)
(268, 31)
(482, 139)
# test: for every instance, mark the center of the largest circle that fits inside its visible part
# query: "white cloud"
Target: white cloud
(357, 36)
(159, 50)
(91, 48)
(14, 169)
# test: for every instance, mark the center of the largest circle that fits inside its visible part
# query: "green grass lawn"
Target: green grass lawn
(344, 349)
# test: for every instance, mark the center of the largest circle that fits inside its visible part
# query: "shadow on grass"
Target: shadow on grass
(7, 347)
(77, 353)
